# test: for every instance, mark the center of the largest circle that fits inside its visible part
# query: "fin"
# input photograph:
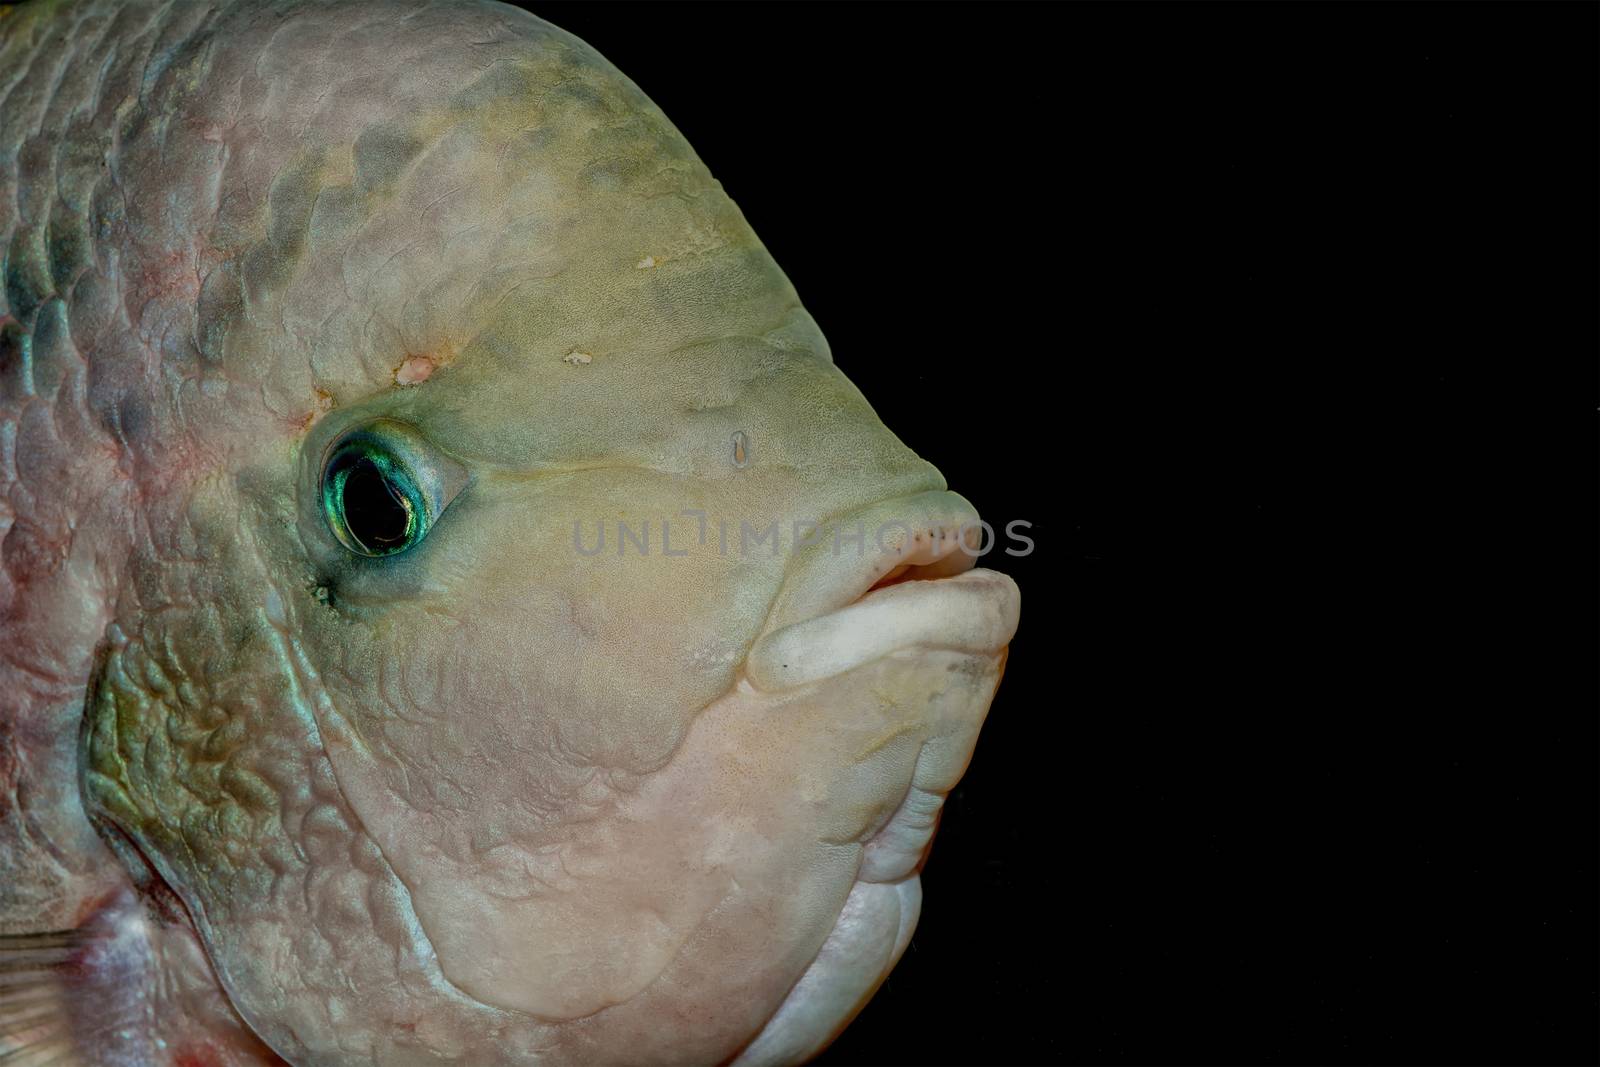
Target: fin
(34, 1024)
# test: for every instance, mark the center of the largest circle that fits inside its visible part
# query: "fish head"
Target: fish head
(556, 657)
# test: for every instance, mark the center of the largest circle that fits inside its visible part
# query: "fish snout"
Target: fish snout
(897, 576)
(900, 648)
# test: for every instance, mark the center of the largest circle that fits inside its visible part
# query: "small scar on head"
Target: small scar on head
(322, 402)
(415, 370)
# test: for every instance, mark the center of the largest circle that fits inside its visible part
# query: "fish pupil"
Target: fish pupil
(376, 513)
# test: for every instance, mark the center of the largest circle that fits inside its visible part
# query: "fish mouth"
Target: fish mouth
(900, 574)
(915, 605)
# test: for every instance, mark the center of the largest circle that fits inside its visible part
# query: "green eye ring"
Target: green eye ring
(380, 492)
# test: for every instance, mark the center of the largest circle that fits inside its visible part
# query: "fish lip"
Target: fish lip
(839, 611)
(828, 575)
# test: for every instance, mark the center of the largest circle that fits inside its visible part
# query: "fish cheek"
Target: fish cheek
(197, 747)
(484, 734)
(183, 678)
(451, 753)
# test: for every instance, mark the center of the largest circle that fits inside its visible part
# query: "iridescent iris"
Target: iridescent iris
(375, 496)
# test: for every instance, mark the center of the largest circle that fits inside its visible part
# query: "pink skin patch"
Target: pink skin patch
(200, 1055)
(175, 276)
(414, 371)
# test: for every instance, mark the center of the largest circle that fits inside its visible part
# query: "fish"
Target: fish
(453, 608)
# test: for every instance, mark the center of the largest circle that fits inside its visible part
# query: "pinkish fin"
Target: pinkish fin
(35, 1027)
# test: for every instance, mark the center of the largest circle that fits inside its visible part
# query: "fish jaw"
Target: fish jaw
(943, 616)
(773, 797)
(811, 809)
(763, 880)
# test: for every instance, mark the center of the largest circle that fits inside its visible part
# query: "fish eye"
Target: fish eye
(382, 488)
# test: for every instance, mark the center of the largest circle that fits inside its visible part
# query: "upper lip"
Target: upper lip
(825, 622)
(922, 530)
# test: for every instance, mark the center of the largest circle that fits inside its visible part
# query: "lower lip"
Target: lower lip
(972, 612)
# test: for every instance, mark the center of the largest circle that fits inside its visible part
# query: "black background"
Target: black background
(1235, 305)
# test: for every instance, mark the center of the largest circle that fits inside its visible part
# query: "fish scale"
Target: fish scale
(65, 66)
(75, 394)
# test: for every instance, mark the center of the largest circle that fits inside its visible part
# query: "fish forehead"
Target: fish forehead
(541, 242)
(538, 244)
(312, 193)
